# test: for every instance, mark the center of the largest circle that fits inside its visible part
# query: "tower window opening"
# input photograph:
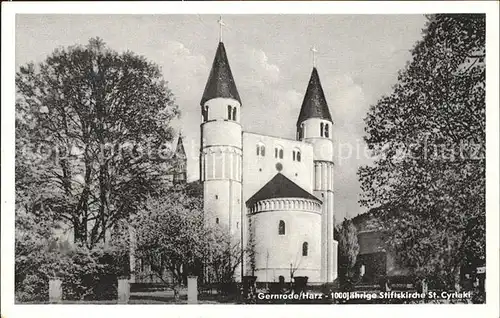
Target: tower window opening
(229, 112)
(281, 153)
(281, 228)
(234, 113)
(216, 197)
(305, 248)
(327, 131)
(258, 150)
(275, 152)
(237, 225)
(298, 156)
(205, 114)
(300, 133)
(321, 129)
(217, 220)
(293, 155)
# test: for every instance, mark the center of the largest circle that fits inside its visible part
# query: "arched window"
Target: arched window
(234, 113)
(305, 248)
(278, 152)
(327, 131)
(261, 150)
(281, 228)
(217, 220)
(321, 129)
(229, 112)
(296, 155)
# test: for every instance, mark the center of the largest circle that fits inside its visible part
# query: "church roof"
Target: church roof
(314, 104)
(179, 150)
(280, 187)
(220, 81)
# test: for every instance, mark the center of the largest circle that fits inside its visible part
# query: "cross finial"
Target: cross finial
(314, 51)
(221, 24)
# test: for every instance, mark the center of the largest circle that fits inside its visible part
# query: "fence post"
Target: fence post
(192, 289)
(335, 260)
(55, 290)
(123, 290)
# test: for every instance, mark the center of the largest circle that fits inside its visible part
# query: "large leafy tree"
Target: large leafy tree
(92, 127)
(428, 138)
(172, 236)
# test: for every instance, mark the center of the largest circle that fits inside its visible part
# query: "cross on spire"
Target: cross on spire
(221, 24)
(314, 51)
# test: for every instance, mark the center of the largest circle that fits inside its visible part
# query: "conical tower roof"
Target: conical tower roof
(280, 187)
(220, 81)
(314, 104)
(179, 150)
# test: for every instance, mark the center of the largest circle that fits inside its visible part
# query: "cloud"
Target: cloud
(257, 69)
(347, 102)
(184, 69)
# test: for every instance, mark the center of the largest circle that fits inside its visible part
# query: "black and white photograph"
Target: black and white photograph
(250, 159)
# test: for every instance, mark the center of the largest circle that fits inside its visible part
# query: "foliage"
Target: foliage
(348, 249)
(91, 132)
(92, 274)
(40, 256)
(170, 228)
(222, 254)
(34, 248)
(172, 235)
(428, 137)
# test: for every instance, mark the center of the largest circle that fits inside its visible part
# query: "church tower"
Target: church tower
(314, 126)
(180, 164)
(221, 147)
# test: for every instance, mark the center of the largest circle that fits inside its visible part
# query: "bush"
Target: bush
(92, 275)
(85, 274)
(34, 288)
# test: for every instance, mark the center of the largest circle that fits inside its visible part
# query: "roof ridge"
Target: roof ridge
(280, 187)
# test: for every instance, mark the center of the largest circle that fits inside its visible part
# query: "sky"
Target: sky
(358, 60)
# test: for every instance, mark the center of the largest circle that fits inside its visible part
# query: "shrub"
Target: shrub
(34, 288)
(85, 274)
(92, 274)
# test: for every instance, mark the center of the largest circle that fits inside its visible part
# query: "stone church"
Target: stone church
(274, 194)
